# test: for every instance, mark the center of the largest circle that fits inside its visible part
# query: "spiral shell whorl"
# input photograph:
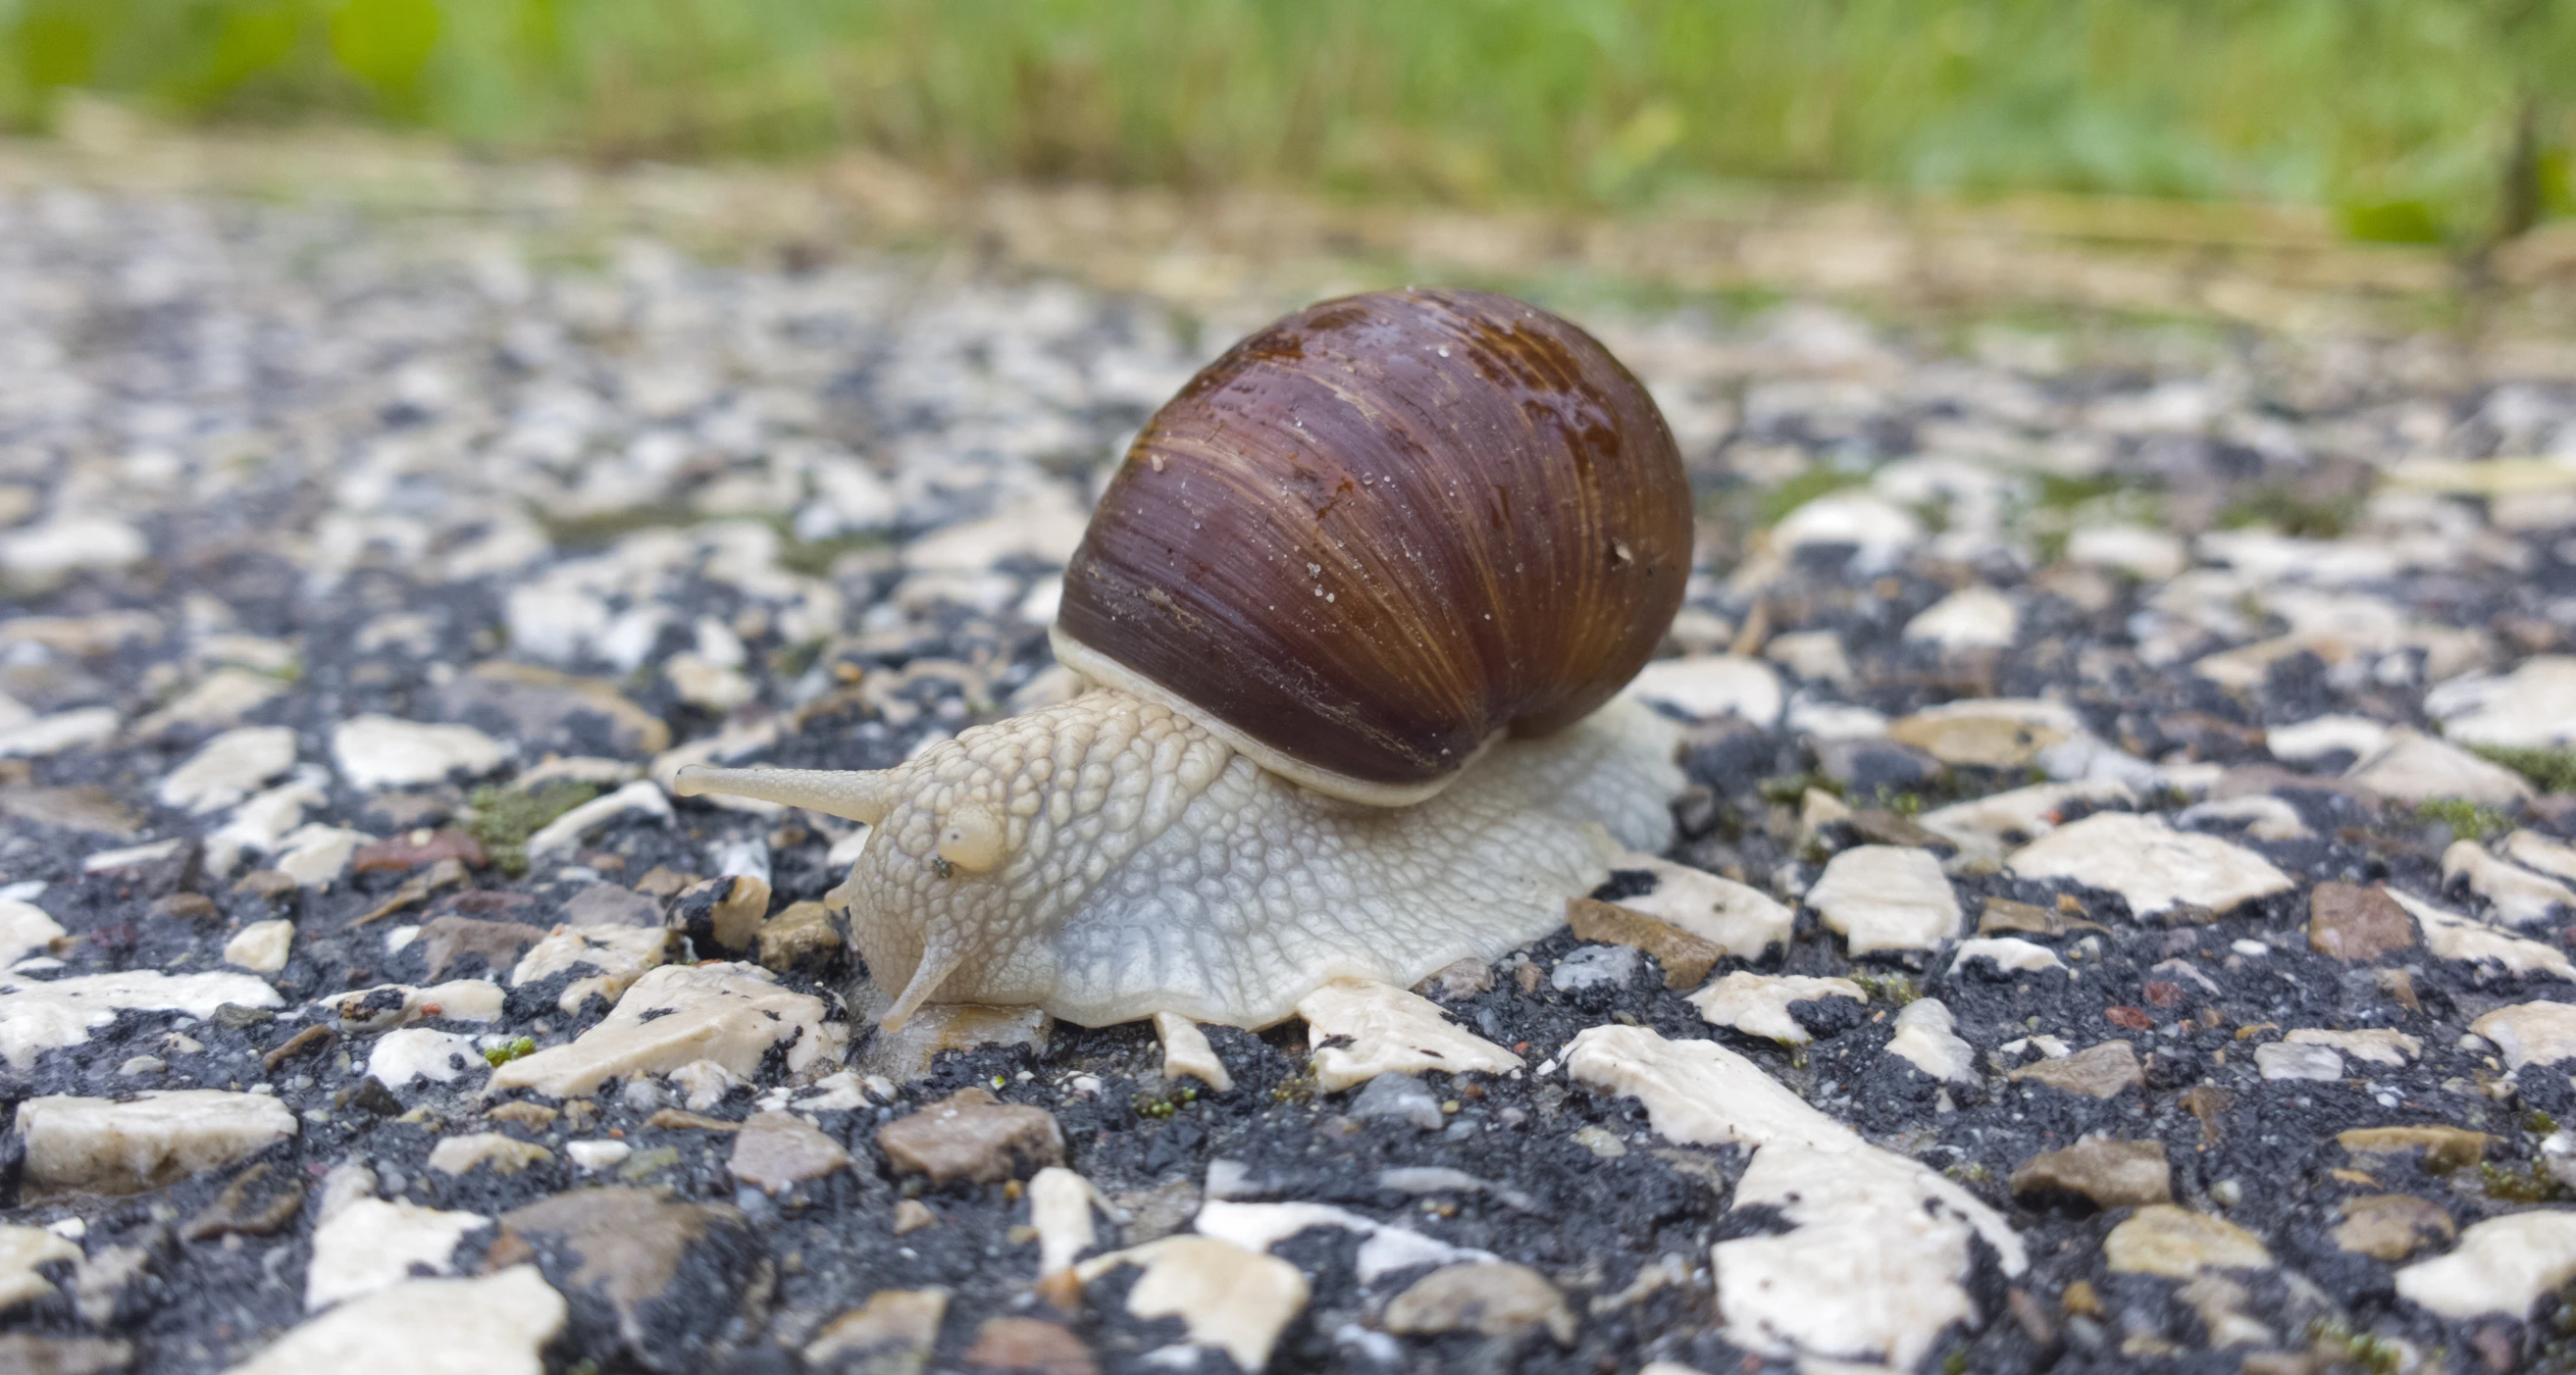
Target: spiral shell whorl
(1383, 531)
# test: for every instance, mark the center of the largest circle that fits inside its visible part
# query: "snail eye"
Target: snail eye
(971, 838)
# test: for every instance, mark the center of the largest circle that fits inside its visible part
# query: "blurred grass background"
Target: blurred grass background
(2436, 121)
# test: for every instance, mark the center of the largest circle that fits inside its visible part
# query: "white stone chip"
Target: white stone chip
(621, 954)
(2295, 1060)
(2533, 707)
(1928, 1038)
(495, 1325)
(22, 1249)
(2451, 936)
(1886, 897)
(70, 542)
(2011, 954)
(1186, 1052)
(1229, 1297)
(260, 825)
(703, 1084)
(2263, 816)
(597, 1155)
(1384, 1248)
(2417, 768)
(314, 855)
(64, 730)
(25, 929)
(2313, 739)
(1875, 1265)
(730, 1013)
(39, 1015)
(1060, 1204)
(1758, 1004)
(504, 1154)
(2150, 864)
(2378, 1045)
(2535, 1033)
(153, 1139)
(1710, 685)
(1971, 618)
(371, 1244)
(2519, 896)
(261, 946)
(130, 856)
(2502, 1265)
(1878, 530)
(1736, 918)
(2539, 853)
(643, 797)
(229, 769)
(374, 752)
(1990, 825)
(1390, 1030)
(2148, 555)
(420, 1053)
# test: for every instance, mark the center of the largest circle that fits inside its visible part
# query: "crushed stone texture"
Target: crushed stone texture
(370, 577)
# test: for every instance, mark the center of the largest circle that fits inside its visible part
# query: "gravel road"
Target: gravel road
(2122, 918)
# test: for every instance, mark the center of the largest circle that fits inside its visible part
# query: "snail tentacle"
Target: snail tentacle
(854, 795)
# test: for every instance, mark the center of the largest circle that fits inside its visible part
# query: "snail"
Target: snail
(1353, 614)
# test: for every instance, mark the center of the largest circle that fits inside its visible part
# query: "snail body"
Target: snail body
(1355, 610)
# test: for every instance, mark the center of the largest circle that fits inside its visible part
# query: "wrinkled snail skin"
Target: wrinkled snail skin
(1148, 867)
(1354, 610)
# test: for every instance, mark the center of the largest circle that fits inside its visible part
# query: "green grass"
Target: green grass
(2467, 820)
(2551, 771)
(2400, 116)
(504, 818)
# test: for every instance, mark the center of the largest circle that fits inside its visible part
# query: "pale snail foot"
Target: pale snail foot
(1106, 859)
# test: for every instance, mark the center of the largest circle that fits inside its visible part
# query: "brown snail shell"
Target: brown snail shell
(1381, 533)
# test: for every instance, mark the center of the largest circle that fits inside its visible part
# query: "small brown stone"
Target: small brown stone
(87, 807)
(1685, 958)
(445, 940)
(911, 1215)
(445, 873)
(187, 907)
(2206, 1102)
(416, 848)
(267, 883)
(1456, 979)
(2114, 1174)
(661, 881)
(891, 1334)
(1494, 1298)
(253, 1204)
(650, 1259)
(800, 936)
(1030, 1346)
(23, 1354)
(2355, 924)
(607, 904)
(535, 1117)
(722, 912)
(2445, 1148)
(2102, 1071)
(678, 1119)
(2079, 1301)
(971, 1136)
(779, 1149)
(302, 1041)
(2393, 1226)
